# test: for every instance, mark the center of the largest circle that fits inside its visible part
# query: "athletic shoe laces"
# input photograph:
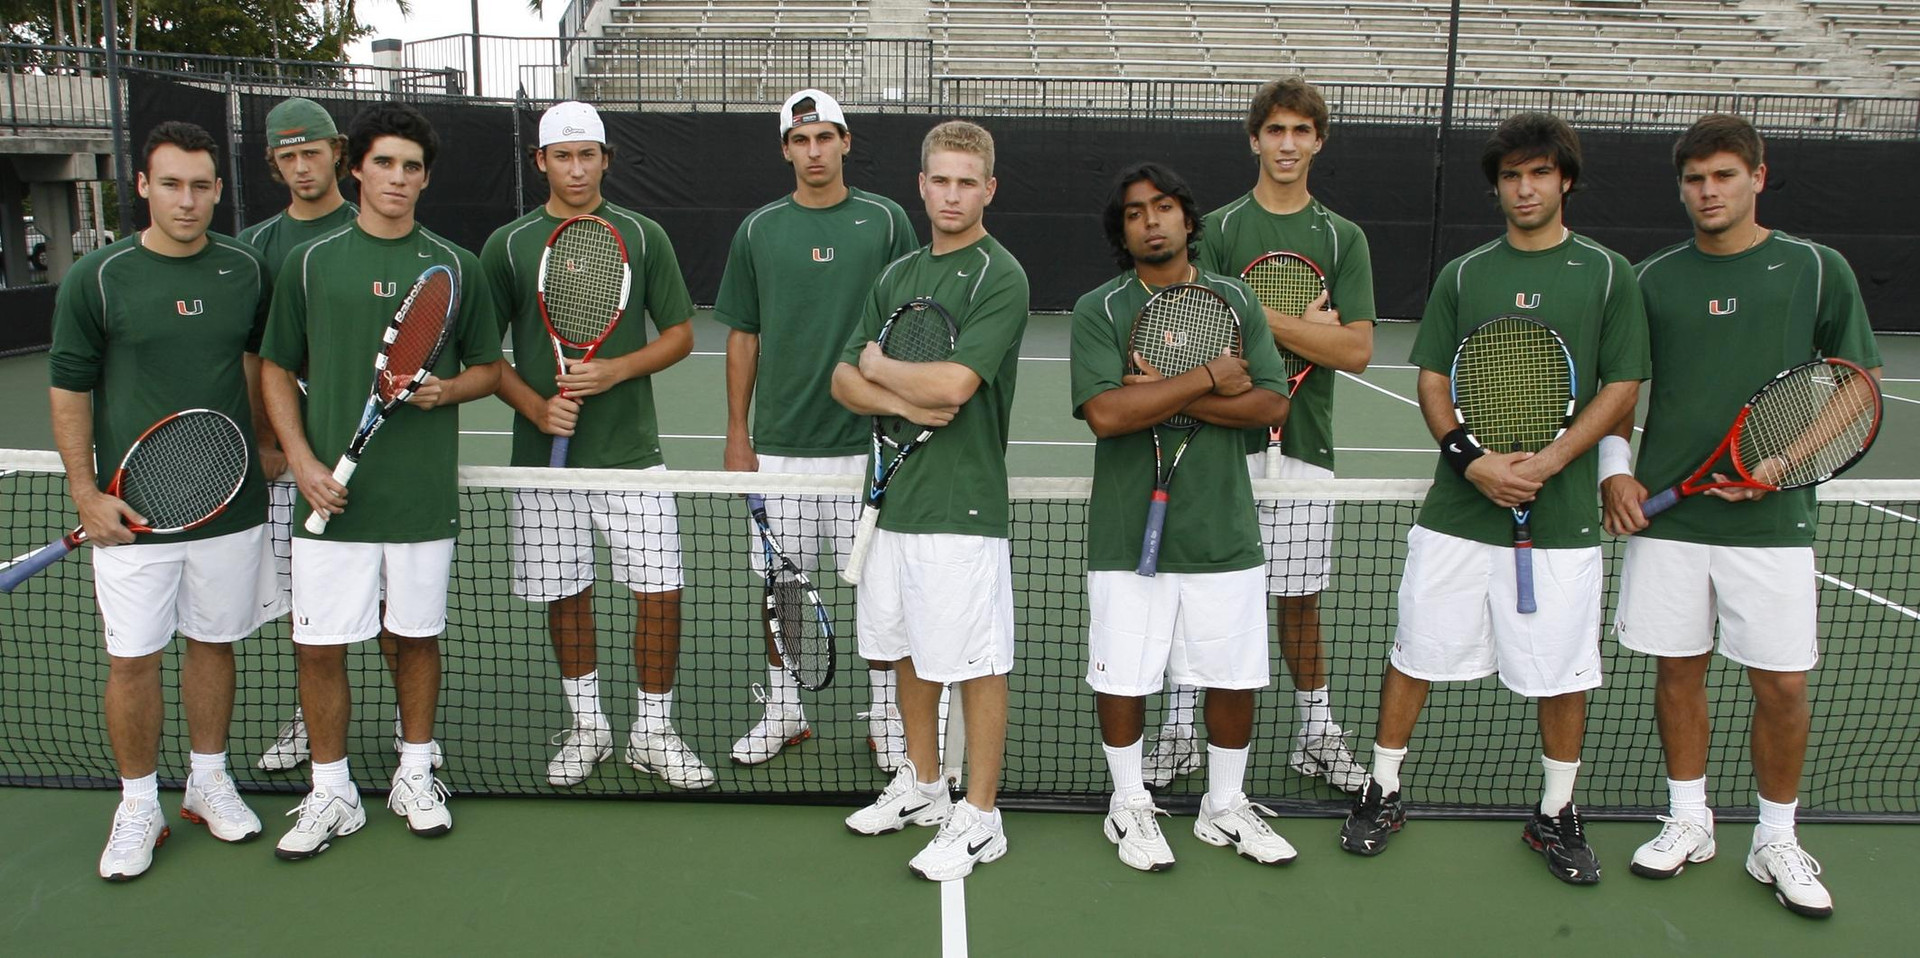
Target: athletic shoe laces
(1673, 831)
(310, 810)
(225, 800)
(407, 791)
(1801, 867)
(130, 826)
(290, 730)
(1571, 832)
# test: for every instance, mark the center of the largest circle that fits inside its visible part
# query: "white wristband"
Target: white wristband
(1616, 457)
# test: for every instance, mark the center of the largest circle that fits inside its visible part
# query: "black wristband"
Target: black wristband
(1459, 450)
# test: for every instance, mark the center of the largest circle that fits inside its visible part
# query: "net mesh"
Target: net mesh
(584, 285)
(1513, 385)
(421, 331)
(1811, 422)
(1476, 750)
(184, 469)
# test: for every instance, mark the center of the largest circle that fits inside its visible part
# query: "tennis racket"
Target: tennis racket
(1513, 391)
(797, 620)
(584, 281)
(178, 475)
(1180, 327)
(1803, 427)
(409, 348)
(1286, 283)
(920, 331)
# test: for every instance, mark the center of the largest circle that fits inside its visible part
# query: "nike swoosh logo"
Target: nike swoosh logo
(1122, 832)
(1775, 266)
(1453, 447)
(859, 222)
(1574, 262)
(961, 275)
(1230, 835)
(426, 255)
(225, 272)
(917, 809)
(973, 848)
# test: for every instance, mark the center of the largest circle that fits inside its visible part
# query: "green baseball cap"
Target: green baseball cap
(298, 120)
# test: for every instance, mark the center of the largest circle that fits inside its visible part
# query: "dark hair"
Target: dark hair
(1719, 133)
(390, 118)
(1530, 135)
(1290, 93)
(339, 158)
(1168, 182)
(187, 136)
(535, 152)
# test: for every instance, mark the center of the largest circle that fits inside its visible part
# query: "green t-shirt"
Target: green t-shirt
(1211, 525)
(1587, 294)
(1720, 326)
(796, 277)
(151, 335)
(957, 482)
(332, 306)
(1242, 231)
(618, 428)
(277, 235)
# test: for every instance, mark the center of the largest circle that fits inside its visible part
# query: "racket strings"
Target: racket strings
(1181, 327)
(1514, 386)
(583, 282)
(417, 337)
(185, 469)
(918, 333)
(1286, 285)
(1816, 420)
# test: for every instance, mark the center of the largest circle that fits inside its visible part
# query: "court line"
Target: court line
(712, 354)
(1894, 513)
(1888, 395)
(1380, 389)
(1869, 596)
(953, 918)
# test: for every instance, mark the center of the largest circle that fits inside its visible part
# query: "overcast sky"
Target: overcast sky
(438, 18)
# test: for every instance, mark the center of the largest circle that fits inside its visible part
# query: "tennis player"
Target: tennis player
(553, 530)
(796, 274)
(1737, 557)
(1202, 621)
(337, 295)
(167, 319)
(1457, 597)
(936, 598)
(1286, 131)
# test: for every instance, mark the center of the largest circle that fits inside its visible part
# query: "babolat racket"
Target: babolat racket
(179, 474)
(412, 343)
(1286, 283)
(1180, 327)
(797, 620)
(921, 331)
(1803, 427)
(1513, 391)
(584, 281)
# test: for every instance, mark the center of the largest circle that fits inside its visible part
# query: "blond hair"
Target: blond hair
(958, 136)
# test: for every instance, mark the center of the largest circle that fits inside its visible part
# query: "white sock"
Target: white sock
(333, 776)
(1316, 713)
(1226, 773)
(991, 818)
(783, 692)
(1557, 790)
(204, 764)
(881, 685)
(1687, 801)
(1386, 767)
(1180, 707)
(146, 788)
(416, 755)
(933, 789)
(583, 700)
(656, 711)
(1123, 764)
(1776, 822)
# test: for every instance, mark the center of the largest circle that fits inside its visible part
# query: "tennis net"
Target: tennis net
(1475, 753)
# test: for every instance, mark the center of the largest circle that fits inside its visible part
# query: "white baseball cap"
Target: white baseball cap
(571, 120)
(826, 109)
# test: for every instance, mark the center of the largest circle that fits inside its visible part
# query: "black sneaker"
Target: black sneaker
(1562, 840)
(1374, 818)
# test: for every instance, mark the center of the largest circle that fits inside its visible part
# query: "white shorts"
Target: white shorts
(944, 601)
(280, 499)
(1202, 629)
(552, 532)
(1764, 598)
(337, 589)
(149, 590)
(1458, 622)
(807, 527)
(1296, 533)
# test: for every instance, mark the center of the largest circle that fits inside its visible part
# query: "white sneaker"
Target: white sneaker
(581, 748)
(1328, 757)
(1176, 752)
(662, 753)
(901, 804)
(420, 798)
(138, 829)
(399, 739)
(212, 801)
(886, 737)
(1133, 828)
(1679, 844)
(289, 747)
(778, 728)
(323, 817)
(1242, 826)
(970, 837)
(1794, 875)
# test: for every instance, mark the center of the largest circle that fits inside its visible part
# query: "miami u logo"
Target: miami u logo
(385, 290)
(823, 255)
(1174, 337)
(180, 306)
(1724, 307)
(1525, 301)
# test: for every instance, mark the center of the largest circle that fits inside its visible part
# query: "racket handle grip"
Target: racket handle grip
(31, 564)
(862, 541)
(1273, 454)
(1660, 502)
(1150, 543)
(342, 471)
(1523, 577)
(557, 459)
